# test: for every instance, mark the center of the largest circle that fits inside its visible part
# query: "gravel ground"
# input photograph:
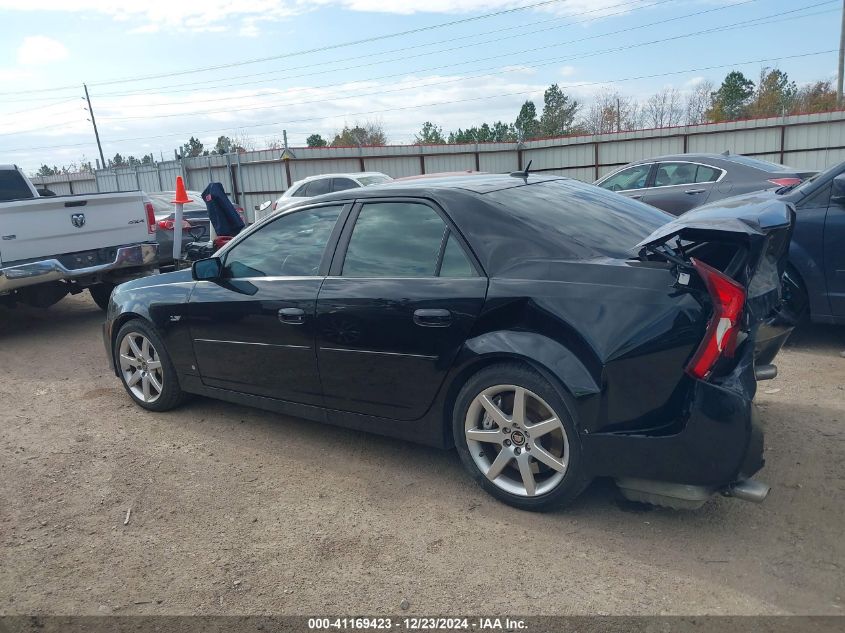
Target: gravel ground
(238, 511)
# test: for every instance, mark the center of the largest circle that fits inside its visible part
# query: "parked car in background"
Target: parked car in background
(313, 186)
(680, 182)
(195, 226)
(815, 273)
(551, 330)
(55, 245)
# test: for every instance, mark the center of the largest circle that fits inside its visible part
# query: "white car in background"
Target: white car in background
(313, 186)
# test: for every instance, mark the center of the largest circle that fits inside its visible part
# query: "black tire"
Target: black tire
(101, 293)
(171, 394)
(574, 479)
(796, 302)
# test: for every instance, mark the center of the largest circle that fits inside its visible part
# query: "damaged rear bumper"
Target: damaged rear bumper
(716, 447)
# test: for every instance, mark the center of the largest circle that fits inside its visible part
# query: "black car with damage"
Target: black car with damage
(550, 330)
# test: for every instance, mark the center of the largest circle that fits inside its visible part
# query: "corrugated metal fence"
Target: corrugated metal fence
(813, 141)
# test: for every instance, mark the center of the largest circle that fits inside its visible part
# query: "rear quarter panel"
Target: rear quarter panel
(615, 335)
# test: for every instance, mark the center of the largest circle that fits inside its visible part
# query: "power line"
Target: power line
(437, 104)
(320, 49)
(784, 16)
(399, 50)
(738, 25)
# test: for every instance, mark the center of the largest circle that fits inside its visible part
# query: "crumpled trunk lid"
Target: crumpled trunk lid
(748, 242)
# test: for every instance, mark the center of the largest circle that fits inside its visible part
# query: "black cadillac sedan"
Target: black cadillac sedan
(550, 330)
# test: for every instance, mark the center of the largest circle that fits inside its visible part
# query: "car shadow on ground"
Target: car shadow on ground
(817, 336)
(65, 317)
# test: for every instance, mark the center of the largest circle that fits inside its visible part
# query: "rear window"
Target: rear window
(13, 186)
(755, 163)
(373, 180)
(583, 221)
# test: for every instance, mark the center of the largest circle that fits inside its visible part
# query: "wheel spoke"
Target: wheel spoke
(145, 349)
(494, 412)
(135, 349)
(154, 382)
(492, 436)
(541, 428)
(542, 455)
(145, 384)
(499, 464)
(154, 364)
(131, 360)
(527, 475)
(519, 406)
(133, 379)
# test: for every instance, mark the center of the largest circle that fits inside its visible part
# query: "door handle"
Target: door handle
(292, 316)
(432, 317)
(636, 197)
(692, 192)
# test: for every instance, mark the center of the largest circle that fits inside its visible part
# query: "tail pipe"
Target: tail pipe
(748, 490)
(765, 372)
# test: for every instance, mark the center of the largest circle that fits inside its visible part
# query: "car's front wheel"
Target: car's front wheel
(145, 368)
(515, 435)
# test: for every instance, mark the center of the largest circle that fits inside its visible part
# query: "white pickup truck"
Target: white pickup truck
(51, 246)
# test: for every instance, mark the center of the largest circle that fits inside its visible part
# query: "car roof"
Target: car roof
(430, 187)
(350, 174)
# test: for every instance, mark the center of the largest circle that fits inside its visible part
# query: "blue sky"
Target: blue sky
(456, 76)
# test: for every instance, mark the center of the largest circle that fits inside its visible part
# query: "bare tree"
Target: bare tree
(698, 102)
(612, 112)
(242, 142)
(663, 109)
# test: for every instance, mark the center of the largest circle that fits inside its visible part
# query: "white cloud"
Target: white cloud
(244, 15)
(39, 49)
(567, 71)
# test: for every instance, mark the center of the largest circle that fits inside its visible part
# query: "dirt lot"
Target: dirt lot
(237, 511)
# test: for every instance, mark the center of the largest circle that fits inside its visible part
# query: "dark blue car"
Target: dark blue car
(815, 274)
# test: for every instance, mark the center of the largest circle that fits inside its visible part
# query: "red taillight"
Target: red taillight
(785, 182)
(151, 217)
(169, 225)
(720, 339)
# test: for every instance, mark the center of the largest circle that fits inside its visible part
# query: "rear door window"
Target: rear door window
(669, 174)
(705, 173)
(319, 187)
(342, 184)
(395, 239)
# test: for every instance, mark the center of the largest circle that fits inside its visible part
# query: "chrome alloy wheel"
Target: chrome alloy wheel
(516, 440)
(140, 367)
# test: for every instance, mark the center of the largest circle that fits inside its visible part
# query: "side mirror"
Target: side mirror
(264, 205)
(210, 269)
(837, 193)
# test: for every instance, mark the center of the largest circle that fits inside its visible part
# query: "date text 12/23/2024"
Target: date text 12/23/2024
(417, 624)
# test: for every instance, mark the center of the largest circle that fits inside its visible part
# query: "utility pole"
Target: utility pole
(619, 112)
(94, 123)
(841, 59)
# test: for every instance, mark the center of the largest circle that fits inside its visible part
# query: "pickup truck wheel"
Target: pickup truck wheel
(145, 368)
(101, 293)
(516, 436)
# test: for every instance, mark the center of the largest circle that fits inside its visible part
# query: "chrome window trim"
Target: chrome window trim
(723, 173)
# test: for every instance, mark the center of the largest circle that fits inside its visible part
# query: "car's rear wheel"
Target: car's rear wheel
(145, 368)
(516, 437)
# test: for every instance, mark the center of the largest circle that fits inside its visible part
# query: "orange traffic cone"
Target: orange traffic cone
(181, 194)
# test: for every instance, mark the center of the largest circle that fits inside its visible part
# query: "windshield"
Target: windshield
(162, 202)
(801, 187)
(373, 180)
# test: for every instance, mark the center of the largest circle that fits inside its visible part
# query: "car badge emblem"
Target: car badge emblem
(78, 220)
